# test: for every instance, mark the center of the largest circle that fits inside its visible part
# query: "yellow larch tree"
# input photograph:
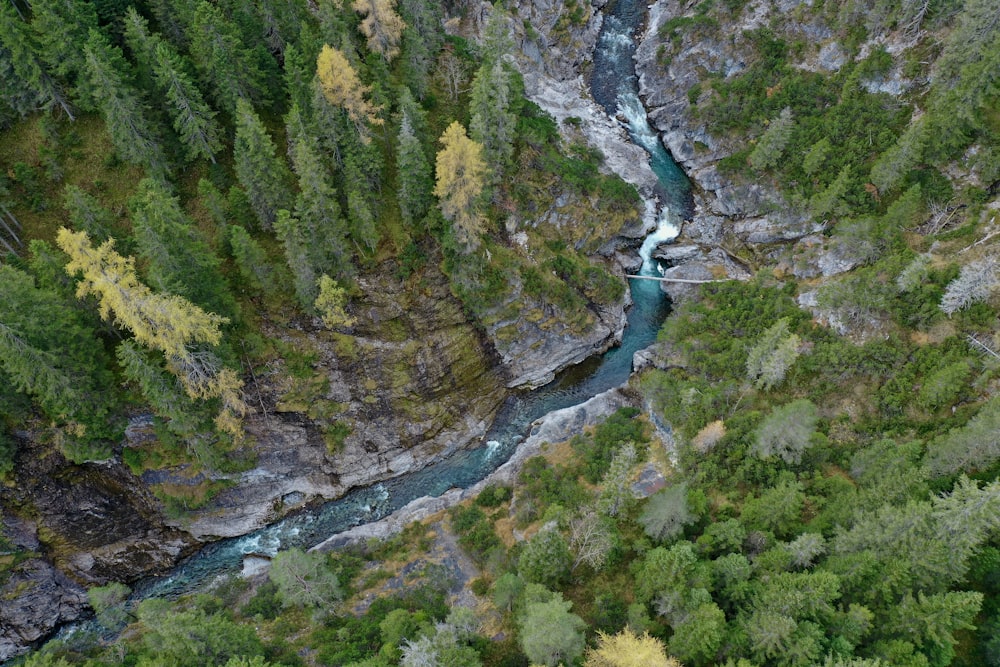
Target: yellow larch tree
(342, 87)
(165, 322)
(461, 174)
(381, 26)
(626, 649)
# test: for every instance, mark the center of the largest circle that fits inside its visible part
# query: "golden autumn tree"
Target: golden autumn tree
(626, 649)
(342, 87)
(165, 322)
(381, 26)
(461, 174)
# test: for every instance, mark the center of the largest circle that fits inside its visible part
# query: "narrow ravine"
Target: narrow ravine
(614, 87)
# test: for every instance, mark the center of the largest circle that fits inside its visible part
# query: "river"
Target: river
(614, 86)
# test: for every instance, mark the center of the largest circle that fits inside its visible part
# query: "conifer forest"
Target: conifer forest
(500, 333)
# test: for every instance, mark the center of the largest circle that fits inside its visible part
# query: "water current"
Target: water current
(615, 88)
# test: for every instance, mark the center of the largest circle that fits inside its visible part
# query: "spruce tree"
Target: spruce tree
(48, 351)
(413, 176)
(17, 97)
(261, 172)
(178, 260)
(86, 214)
(251, 260)
(226, 65)
(169, 73)
(422, 39)
(125, 114)
(63, 26)
(296, 243)
(26, 62)
(194, 121)
(318, 211)
(493, 122)
(164, 393)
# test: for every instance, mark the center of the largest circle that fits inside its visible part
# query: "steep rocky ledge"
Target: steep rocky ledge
(737, 226)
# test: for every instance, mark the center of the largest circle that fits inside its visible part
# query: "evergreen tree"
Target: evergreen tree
(363, 230)
(86, 214)
(413, 175)
(297, 253)
(63, 27)
(178, 259)
(48, 351)
(422, 39)
(318, 211)
(17, 97)
(26, 63)
(261, 172)
(194, 121)
(163, 392)
(493, 122)
(771, 146)
(228, 67)
(251, 260)
(125, 114)
(282, 21)
(173, 17)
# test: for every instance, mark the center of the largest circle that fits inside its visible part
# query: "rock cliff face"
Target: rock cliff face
(554, 57)
(413, 384)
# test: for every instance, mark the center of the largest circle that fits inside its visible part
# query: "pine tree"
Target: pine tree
(226, 65)
(342, 88)
(382, 26)
(26, 61)
(461, 175)
(63, 27)
(493, 122)
(125, 114)
(178, 259)
(261, 172)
